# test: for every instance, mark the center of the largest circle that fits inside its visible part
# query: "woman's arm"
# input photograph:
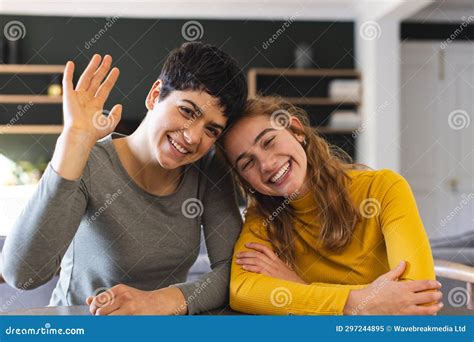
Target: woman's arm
(260, 293)
(84, 122)
(222, 223)
(262, 290)
(404, 234)
(44, 230)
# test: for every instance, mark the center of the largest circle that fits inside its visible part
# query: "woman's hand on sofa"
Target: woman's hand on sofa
(389, 296)
(262, 259)
(125, 300)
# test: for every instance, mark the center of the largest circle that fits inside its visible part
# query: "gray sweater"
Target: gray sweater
(103, 230)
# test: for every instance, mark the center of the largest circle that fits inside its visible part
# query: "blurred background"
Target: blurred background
(389, 81)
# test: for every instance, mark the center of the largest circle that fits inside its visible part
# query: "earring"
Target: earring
(304, 142)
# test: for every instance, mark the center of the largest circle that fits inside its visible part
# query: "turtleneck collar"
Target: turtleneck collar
(305, 203)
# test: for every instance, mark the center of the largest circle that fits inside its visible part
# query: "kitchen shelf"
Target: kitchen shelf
(31, 69)
(305, 72)
(321, 101)
(330, 130)
(36, 99)
(31, 129)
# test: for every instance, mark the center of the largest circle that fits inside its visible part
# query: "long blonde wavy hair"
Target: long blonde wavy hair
(327, 171)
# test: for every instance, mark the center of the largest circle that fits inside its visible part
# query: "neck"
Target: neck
(304, 189)
(138, 158)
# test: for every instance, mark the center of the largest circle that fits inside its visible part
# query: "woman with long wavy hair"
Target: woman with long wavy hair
(322, 235)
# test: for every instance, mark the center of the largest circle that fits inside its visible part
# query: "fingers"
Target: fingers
(428, 297)
(123, 305)
(423, 285)
(109, 308)
(85, 79)
(262, 265)
(89, 300)
(254, 258)
(262, 249)
(115, 115)
(106, 87)
(102, 299)
(395, 273)
(99, 74)
(67, 77)
(251, 268)
(425, 310)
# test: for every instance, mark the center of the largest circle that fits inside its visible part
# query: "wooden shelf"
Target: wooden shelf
(254, 73)
(35, 99)
(323, 101)
(27, 98)
(31, 129)
(330, 130)
(31, 69)
(305, 72)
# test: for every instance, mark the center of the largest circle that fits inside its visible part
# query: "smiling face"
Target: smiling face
(183, 126)
(272, 161)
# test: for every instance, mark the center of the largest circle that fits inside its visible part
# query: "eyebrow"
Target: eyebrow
(201, 112)
(257, 138)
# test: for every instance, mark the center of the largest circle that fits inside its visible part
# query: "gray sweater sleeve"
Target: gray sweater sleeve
(222, 223)
(44, 230)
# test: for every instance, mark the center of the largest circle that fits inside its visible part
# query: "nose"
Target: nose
(192, 135)
(267, 163)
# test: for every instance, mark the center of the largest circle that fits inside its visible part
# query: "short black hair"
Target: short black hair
(199, 66)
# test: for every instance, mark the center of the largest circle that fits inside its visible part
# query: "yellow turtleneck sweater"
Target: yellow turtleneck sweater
(390, 231)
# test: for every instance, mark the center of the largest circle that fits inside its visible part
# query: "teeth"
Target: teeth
(280, 173)
(178, 146)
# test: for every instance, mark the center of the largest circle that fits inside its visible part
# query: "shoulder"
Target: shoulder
(375, 183)
(254, 220)
(215, 170)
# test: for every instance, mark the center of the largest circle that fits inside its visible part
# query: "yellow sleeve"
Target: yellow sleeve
(259, 294)
(403, 230)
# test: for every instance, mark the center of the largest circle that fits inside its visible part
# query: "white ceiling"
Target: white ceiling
(446, 11)
(222, 9)
(331, 10)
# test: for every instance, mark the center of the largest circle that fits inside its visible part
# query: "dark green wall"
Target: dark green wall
(139, 47)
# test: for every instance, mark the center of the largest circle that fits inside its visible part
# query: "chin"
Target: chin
(165, 163)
